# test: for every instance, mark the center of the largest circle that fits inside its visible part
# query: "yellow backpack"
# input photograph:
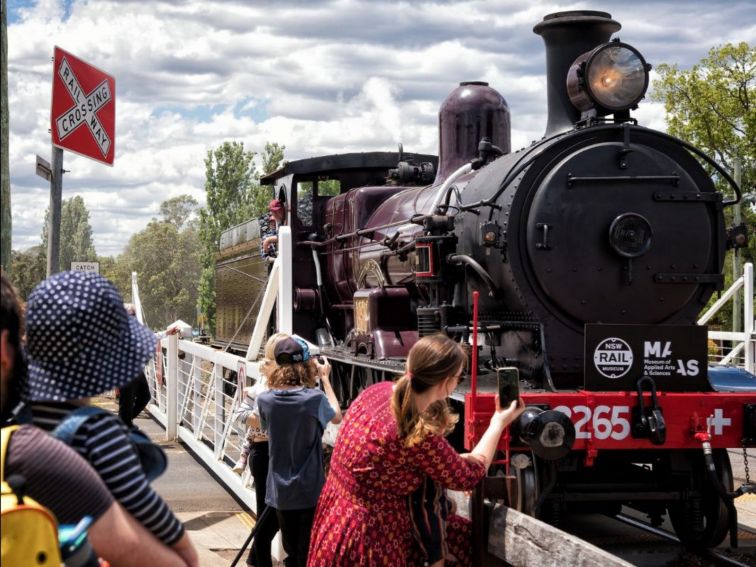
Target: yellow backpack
(29, 530)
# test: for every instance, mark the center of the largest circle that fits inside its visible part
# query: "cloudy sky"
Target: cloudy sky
(318, 77)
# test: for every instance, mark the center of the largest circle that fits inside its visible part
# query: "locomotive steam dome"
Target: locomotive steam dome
(471, 111)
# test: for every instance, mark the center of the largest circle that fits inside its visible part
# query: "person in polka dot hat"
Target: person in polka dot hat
(81, 342)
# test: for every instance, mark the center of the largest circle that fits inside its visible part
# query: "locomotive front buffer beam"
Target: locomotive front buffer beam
(603, 421)
(564, 430)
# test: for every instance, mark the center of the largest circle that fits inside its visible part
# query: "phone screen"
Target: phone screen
(509, 385)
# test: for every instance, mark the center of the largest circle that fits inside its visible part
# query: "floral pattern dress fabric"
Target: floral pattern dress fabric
(362, 516)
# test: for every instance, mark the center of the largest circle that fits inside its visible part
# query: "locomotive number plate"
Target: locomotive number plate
(617, 356)
(603, 422)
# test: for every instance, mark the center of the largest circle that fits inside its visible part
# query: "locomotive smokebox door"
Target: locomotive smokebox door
(601, 243)
(674, 356)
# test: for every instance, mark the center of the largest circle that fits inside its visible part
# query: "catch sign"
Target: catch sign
(85, 267)
(83, 108)
(675, 356)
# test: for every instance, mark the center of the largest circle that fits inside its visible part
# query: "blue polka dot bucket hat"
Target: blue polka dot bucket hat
(81, 341)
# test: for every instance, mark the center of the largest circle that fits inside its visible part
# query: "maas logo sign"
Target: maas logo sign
(83, 108)
(617, 356)
(613, 358)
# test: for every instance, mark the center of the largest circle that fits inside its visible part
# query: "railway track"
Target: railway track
(727, 556)
(637, 542)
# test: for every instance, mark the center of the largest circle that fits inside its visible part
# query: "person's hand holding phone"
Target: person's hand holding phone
(506, 415)
(324, 367)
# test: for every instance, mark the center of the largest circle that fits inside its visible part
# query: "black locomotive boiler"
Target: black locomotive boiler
(581, 261)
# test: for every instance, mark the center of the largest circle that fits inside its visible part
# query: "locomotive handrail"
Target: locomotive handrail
(448, 183)
(711, 162)
(477, 268)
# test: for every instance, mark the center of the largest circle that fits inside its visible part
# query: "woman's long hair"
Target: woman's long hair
(431, 361)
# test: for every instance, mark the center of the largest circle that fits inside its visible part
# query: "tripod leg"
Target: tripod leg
(251, 535)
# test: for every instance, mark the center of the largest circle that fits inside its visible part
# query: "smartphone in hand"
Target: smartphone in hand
(509, 385)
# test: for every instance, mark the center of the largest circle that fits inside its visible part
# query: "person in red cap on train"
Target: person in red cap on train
(269, 223)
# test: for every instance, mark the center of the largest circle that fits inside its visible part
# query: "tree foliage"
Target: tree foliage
(712, 105)
(30, 266)
(165, 256)
(178, 210)
(233, 195)
(272, 160)
(75, 233)
(229, 186)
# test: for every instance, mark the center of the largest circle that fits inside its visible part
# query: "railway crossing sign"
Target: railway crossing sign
(83, 108)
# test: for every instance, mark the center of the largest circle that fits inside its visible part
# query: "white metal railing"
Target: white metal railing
(196, 393)
(736, 348)
(196, 390)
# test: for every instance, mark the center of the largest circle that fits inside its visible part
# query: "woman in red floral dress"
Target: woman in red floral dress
(391, 439)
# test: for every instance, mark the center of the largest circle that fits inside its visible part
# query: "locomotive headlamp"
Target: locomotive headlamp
(613, 77)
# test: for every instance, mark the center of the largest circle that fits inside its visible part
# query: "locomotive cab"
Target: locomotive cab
(316, 194)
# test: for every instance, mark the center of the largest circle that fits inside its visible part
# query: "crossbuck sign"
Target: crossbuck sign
(83, 108)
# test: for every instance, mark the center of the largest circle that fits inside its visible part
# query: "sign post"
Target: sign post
(82, 120)
(56, 199)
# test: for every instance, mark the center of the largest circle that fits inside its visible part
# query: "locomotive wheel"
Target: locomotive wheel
(716, 518)
(527, 490)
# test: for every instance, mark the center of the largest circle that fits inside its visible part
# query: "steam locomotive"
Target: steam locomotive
(581, 261)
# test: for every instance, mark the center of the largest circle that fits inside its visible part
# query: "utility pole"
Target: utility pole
(737, 306)
(56, 197)
(5, 202)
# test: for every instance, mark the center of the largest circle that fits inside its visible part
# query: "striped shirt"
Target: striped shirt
(56, 476)
(103, 441)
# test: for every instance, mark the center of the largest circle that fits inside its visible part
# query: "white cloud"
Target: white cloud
(318, 77)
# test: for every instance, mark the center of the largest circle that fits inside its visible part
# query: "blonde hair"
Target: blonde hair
(268, 364)
(431, 361)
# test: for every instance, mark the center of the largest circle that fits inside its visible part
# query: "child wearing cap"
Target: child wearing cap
(295, 417)
(256, 451)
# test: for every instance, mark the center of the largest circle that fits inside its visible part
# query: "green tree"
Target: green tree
(29, 267)
(178, 210)
(272, 160)
(712, 105)
(229, 188)
(75, 233)
(165, 256)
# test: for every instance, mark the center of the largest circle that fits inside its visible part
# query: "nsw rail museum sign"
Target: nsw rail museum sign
(83, 108)
(675, 356)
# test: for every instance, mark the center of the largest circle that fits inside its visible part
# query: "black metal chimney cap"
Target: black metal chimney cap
(478, 83)
(574, 17)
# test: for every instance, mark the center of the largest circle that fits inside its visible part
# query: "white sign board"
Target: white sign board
(85, 267)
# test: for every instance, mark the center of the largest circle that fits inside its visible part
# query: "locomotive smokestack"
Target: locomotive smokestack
(568, 35)
(471, 111)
